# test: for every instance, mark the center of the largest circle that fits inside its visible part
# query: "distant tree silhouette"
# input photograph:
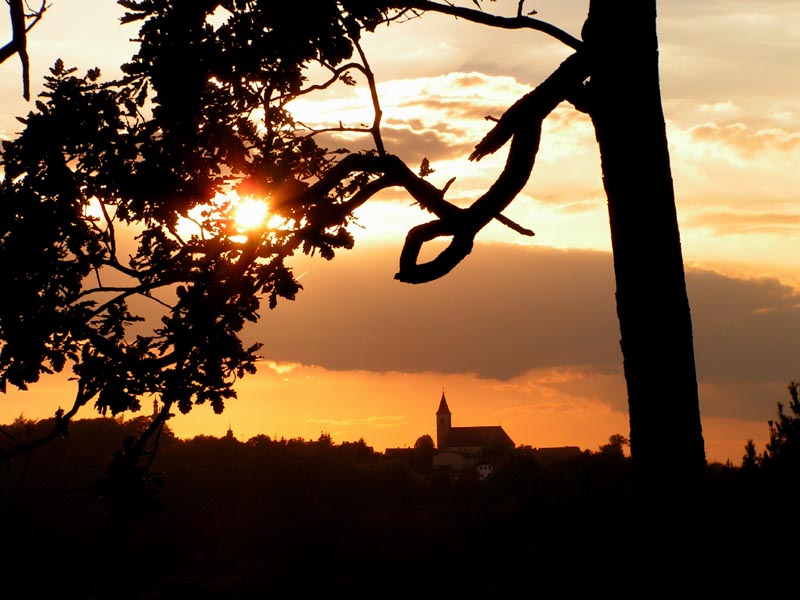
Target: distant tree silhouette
(615, 446)
(424, 442)
(424, 448)
(251, 520)
(783, 448)
(775, 469)
(105, 176)
(750, 460)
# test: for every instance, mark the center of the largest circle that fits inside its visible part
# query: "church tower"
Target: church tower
(442, 423)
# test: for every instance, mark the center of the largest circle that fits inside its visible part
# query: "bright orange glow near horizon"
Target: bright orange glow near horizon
(391, 410)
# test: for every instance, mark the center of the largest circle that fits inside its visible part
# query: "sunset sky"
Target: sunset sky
(524, 333)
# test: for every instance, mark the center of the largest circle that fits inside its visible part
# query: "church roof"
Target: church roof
(493, 435)
(443, 408)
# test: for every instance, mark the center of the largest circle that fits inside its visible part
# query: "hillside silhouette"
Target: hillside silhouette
(222, 518)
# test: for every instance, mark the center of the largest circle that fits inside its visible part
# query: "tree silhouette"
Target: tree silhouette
(424, 443)
(424, 449)
(120, 194)
(104, 176)
(783, 448)
(652, 304)
(615, 446)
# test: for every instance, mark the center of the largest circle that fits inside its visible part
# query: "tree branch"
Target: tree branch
(19, 40)
(336, 75)
(561, 84)
(376, 105)
(477, 16)
(341, 128)
(522, 123)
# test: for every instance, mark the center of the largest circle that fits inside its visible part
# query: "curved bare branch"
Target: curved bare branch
(522, 123)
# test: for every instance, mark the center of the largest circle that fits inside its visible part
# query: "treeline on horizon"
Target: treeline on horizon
(220, 518)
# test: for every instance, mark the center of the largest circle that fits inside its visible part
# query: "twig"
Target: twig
(376, 105)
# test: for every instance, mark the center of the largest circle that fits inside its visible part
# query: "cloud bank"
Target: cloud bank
(508, 310)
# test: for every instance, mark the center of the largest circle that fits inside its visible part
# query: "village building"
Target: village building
(461, 448)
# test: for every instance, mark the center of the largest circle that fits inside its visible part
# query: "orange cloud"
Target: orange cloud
(743, 223)
(759, 144)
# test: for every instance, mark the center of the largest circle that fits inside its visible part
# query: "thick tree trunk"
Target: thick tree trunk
(652, 305)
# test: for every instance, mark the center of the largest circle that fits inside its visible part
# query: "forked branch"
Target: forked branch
(19, 40)
(522, 124)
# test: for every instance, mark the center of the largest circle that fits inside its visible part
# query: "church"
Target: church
(467, 447)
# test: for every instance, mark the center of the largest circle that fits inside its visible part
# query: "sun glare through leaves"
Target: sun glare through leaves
(243, 215)
(249, 213)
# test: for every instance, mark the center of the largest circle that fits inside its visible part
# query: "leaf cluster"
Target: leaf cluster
(101, 182)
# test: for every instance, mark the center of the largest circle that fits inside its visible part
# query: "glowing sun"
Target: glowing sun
(250, 213)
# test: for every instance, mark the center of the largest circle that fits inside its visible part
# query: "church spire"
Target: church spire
(442, 423)
(443, 408)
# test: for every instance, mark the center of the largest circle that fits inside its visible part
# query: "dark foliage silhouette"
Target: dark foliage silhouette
(783, 448)
(104, 175)
(294, 516)
(276, 516)
(778, 465)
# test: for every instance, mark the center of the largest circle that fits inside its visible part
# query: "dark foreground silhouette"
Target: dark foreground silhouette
(216, 518)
